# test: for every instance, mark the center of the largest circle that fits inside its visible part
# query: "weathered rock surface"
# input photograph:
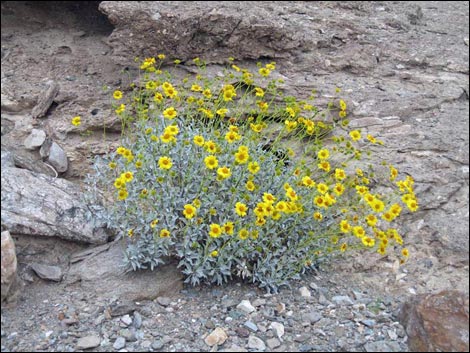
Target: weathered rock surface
(55, 155)
(437, 322)
(40, 205)
(48, 272)
(214, 31)
(35, 139)
(104, 274)
(9, 264)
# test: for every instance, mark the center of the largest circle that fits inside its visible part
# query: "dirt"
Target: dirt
(67, 42)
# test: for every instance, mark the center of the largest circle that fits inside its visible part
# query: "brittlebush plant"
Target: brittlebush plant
(206, 174)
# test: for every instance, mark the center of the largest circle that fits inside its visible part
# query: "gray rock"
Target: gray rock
(120, 343)
(382, 346)
(368, 322)
(102, 273)
(39, 205)
(163, 301)
(129, 334)
(312, 317)
(278, 328)
(137, 320)
(45, 99)
(7, 159)
(304, 292)
(55, 155)
(246, 307)
(256, 343)
(342, 300)
(157, 344)
(126, 320)
(251, 326)
(47, 272)
(273, 343)
(35, 139)
(88, 342)
(216, 337)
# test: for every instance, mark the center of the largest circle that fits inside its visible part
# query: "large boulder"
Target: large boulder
(437, 322)
(40, 205)
(214, 31)
(101, 270)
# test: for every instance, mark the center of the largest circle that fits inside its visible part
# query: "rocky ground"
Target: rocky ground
(403, 69)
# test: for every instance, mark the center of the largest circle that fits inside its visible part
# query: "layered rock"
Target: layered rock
(40, 205)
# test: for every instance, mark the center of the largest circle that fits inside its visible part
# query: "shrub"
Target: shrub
(236, 180)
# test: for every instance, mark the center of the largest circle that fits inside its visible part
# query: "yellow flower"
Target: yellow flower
(112, 165)
(253, 167)
(170, 92)
(393, 173)
(241, 157)
(158, 97)
(117, 95)
(210, 146)
(228, 228)
(130, 233)
(343, 247)
(412, 205)
(264, 72)
(120, 109)
(259, 92)
(256, 127)
(322, 188)
(127, 176)
(344, 226)
(378, 206)
(324, 166)
(214, 253)
(318, 216)
(196, 88)
(405, 252)
(154, 223)
(215, 230)
(211, 162)
(151, 85)
(161, 56)
(198, 140)
(250, 185)
(164, 233)
(76, 121)
(170, 113)
(222, 112)
(241, 209)
(340, 174)
(307, 181)
(359, 232)
(122, 195)
(323, 154)
(138, 164)
(232, 136)
(119, 183)
(224, 172)
(167, 138)
(355, 135)
(236, 68)
(165, 163)
(342, 104)
(207, 93)
(243, 234)
(189, 211)
(371, 220)
(367, 241)
(292, 195)
(339, 189)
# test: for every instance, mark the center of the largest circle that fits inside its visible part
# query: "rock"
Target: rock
(163, 301)
(55, 155)
(259, 302)
(120, 343)
(216, 337)
(88, 342)
(437, 322)
(102, 272)
(365, 122)
(304, 292)
(278, 328)
(137, 320)
(45, 99)
(8, 104)
(342, 300)
(27, 160)
(273, 343)
(47, 272)
(35, 139)
(382, 346)
(246, 306)
(198, 29)
(9, 267)
(126, 320)
(312, 317)
(39, 205)
(256, 343)
(251, 326)
(7, 159)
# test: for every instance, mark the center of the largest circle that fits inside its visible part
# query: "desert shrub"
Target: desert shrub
(233, 178)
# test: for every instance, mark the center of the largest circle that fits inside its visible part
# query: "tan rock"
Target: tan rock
(9, 264)
(437, 322)
(216, 337)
